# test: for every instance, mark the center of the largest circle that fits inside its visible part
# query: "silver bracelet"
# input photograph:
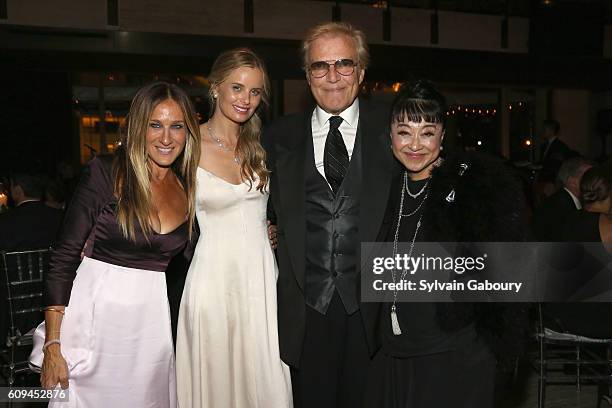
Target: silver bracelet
(50, 342)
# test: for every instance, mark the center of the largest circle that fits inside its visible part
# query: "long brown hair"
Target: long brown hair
(595, 185)
(132, 181)
(248, 148)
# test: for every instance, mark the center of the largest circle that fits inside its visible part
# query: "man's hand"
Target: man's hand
(272, 235)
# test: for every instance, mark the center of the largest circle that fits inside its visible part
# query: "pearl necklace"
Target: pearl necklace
(222, 145)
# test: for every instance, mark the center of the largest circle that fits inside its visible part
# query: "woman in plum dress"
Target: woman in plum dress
(107, 333)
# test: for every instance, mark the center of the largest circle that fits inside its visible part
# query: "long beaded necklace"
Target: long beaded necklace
(222, 145)
(394, 321)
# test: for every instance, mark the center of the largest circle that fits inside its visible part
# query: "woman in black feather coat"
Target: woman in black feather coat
(444, 354)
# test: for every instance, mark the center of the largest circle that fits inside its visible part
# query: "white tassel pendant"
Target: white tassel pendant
(395, 323)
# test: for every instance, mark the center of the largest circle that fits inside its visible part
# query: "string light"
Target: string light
(380, 4)
(468, 111)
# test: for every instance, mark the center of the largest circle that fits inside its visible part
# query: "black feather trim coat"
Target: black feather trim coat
(473, 198)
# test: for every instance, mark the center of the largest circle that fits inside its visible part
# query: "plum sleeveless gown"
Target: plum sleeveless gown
(227, 343)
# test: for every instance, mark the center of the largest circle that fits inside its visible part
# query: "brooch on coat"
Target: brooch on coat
(462, 169)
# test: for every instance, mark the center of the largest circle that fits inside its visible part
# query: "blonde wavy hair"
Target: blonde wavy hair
(248, 148)
(132, 171)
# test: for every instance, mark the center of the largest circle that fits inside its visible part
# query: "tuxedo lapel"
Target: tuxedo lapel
(378, 167)
(290, 168)
(377, 171)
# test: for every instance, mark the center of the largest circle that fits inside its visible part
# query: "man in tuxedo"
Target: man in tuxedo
(553, 151)
(548, 217)
(331, 169)
(31, 224)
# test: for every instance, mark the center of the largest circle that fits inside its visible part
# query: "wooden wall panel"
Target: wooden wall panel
(87, 14)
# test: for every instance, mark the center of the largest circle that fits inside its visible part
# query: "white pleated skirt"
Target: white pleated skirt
(116, 339)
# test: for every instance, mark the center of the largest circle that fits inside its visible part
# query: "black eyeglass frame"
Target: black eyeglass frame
(336, 64)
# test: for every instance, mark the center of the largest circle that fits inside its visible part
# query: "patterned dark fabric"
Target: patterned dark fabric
(335, 158)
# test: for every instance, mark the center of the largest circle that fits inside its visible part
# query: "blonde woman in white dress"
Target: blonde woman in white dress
(227, 348)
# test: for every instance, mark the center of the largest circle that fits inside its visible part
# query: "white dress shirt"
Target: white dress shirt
(320, 128)
(28, 201)
(574, 199)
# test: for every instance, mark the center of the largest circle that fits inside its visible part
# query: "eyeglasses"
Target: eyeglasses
(344, 67)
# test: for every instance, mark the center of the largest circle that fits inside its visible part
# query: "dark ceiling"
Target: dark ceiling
(523, 8)
(565, 49)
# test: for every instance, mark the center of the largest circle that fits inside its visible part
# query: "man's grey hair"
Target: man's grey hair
(571, 168)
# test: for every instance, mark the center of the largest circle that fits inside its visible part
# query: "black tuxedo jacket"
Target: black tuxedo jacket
(556, 154)
(558, 150)
(550, 217)
(32, 225)
(285, 143)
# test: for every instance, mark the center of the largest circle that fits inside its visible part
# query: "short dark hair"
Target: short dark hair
(54, 190)
(32, 184)
(552, 125)
(595, 185)
(419, 100)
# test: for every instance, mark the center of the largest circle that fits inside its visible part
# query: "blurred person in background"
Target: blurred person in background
(549, 216)
(593, 223)
(31, 224)
(55, 196)
(553, 152)
(586, 259)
